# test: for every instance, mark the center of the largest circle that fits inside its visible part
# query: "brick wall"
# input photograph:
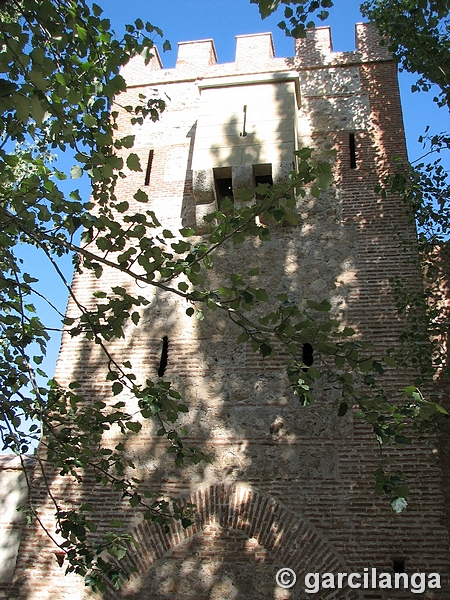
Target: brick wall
(287, 486)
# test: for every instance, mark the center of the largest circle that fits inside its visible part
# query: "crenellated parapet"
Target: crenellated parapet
(316, 49)
(256, 53)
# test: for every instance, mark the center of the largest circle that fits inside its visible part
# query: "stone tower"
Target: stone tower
(287, 487)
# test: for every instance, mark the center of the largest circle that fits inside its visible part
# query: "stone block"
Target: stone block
(203, 186)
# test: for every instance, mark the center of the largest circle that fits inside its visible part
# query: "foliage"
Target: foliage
(59, 79)
(418, 35)
(425, 188)
(298, 19)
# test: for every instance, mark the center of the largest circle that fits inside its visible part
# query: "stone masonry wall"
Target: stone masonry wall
(287, 486)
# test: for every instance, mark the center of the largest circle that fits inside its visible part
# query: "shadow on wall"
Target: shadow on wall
(262, 501)
(188, 207)
(280, 475)
(286, 486)
(13, 494)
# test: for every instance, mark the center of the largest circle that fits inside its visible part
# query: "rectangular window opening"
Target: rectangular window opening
(149, 167)
(262, 174)
(352, 147)
(224, 184)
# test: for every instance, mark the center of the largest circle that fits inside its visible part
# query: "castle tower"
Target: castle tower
(287, 486)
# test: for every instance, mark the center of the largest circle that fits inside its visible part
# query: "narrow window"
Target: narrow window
(352, 147)
(164, 354)
(149, 168)
(307, 356)
(399, 566)
(224, 184)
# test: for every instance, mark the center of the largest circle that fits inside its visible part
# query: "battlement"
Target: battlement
(196, 54)
(317, 47)
(256, 53)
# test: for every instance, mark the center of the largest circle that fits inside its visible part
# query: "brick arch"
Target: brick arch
(290, 539)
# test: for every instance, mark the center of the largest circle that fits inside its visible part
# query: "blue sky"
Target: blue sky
(183, 20)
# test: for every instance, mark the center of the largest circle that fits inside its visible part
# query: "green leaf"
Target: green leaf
(116, 387)
(37, 77)
(262, 295)
(116, 523)
(243, 337)
(348, 332)
(89, 120)
(122, 207)
(324, 181)
(339, 361)
(226, 292)
(23, 107)
(399, 505)
(187, 231)
(133, 426)
(391, 362)
(136, 498)
(410, 389)
(127, 141)
(140, 196)
(366, 365)
(76, 172)
(265, 349)
(323, 306)
(133, 163)
(181, 247)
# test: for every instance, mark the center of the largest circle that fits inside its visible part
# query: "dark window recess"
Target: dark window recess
(263, 179)
(352, 147)
(399, 566)
(164, 354)
(224, 184)
(263, 174)
(149, 167)
(307, 356)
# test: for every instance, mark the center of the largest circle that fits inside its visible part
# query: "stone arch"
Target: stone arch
(290, 539)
